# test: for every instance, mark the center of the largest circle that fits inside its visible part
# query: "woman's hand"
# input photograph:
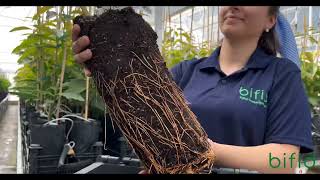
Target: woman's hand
(143, 172)
(81, 54)
(214, 147)
(255, 158)
(211, 142)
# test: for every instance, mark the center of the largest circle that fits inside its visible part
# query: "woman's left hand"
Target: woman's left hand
(214, 147)
(210, 142)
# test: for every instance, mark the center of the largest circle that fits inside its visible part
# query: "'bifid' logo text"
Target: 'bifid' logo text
(255, 96)
(283, 162)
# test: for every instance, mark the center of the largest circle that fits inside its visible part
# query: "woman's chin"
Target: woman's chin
(232, 34)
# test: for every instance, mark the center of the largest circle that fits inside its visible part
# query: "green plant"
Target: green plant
(311, 76)
(178, 46)
(49, 77)
(4, 84)
(310, 65)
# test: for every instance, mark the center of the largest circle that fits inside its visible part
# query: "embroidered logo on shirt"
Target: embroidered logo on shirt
(255, 96)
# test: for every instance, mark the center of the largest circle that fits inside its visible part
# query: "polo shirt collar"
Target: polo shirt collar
(258, 60)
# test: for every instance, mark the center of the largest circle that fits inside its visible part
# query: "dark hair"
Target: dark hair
(269, 41)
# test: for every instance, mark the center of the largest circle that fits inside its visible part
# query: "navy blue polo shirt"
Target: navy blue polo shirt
(264, 102)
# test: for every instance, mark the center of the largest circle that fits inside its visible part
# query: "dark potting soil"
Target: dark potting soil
(126, 61)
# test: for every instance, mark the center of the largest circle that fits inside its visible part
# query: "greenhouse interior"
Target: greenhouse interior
(164, 106)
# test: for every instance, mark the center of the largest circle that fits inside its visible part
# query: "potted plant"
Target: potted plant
(50, 85)
(4, 87)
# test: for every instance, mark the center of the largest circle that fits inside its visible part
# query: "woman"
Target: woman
(251, 103)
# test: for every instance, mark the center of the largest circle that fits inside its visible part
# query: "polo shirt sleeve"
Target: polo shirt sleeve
(289, 113)
(178, 70)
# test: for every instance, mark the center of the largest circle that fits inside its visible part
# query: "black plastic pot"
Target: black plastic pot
(43, 144)
(316, 129)
(85, 134)
(49, 164)
(110, 135)
(51, 138)
(3, 95)
(43, 147)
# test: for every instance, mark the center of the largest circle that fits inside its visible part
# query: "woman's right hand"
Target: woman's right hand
(144, 172)
(81, 54)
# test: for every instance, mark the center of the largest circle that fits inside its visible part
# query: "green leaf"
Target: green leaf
(176, 33)
(84, 10)
(312, 40)
(76, 11)
(75, 96)
(27, 55)
(75, 85)
(19, 28)
(314, 69)
(41, 11)
(314, 101)
(97, 101)
(308, 55)
(25, 44)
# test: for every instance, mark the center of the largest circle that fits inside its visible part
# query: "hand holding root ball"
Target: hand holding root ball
(138, 89)
(81, 53)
